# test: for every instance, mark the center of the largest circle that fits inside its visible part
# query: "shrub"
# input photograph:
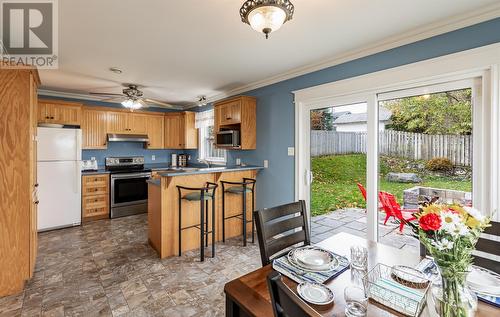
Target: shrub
(439, 164)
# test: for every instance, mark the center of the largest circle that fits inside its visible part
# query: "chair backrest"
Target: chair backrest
(280, 228)
(390, 204)
(489, 243)
(362, 189)
(285, 302)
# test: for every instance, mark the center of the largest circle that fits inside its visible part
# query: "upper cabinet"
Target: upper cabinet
(155, 131)
(60, 112)
(180, 131)
(94, 129)
(238, 113)
(127, 122)
(174, 130)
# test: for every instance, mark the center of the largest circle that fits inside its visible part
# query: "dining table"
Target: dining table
(248, 295)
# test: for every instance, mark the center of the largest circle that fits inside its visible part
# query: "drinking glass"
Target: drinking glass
(356, 302)
(359, 258)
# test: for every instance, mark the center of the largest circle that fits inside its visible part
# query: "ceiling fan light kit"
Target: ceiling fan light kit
(266, 16)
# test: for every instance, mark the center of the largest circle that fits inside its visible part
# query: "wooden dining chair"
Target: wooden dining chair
(279, 228)
(285, 302)
(489, 244)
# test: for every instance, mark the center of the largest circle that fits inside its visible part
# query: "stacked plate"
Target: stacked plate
(484, 282)
(313, 259)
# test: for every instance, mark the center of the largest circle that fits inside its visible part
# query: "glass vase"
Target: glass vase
(451, 295)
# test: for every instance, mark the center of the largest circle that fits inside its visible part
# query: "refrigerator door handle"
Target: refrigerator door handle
(77, 177)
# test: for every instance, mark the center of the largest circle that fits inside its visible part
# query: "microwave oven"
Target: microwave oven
(228, 138)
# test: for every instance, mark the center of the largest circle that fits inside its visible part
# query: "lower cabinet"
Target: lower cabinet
(95, 197)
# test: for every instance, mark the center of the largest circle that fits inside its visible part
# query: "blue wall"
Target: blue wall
(125, 148)
(275, 108)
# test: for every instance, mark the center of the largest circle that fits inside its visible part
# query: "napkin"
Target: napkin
(298, 275)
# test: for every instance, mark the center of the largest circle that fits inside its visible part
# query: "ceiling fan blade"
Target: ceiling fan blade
(114, 99)
(105, 94)
(161, 103)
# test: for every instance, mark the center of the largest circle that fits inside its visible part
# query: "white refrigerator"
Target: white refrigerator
(59, 153)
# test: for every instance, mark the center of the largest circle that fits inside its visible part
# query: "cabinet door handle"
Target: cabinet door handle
(37, 202)
(36, 185)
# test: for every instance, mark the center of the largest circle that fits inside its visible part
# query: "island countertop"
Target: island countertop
(163, 206)
(207, 170)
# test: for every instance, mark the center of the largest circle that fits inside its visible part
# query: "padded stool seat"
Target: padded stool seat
(196, 196)
(238, 190)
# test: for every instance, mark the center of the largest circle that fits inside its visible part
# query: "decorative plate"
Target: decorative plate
(315, 293)
(313, 259)
(409, 276)
(484, 281)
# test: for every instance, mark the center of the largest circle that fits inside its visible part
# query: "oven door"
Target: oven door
(129, 189)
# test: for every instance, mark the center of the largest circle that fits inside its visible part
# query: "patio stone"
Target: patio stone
(318, 229)
(356, 225)
(332, 223)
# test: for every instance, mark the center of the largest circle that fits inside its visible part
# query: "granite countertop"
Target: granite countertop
(191, 170)
(100, 170)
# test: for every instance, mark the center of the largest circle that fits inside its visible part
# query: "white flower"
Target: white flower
(475, 213)
(444, 244)
(462, 229)
(450, 222)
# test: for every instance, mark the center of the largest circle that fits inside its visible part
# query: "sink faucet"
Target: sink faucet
(205, 161)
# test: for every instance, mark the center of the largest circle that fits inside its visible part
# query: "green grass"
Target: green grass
(335, 179)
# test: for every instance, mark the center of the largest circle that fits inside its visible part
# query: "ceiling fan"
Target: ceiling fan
(133, 98)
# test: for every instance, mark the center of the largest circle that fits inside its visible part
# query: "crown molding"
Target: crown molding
(428, 31)
(70, 95)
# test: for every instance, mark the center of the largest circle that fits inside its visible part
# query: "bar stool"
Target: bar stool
(203, 195)
(239, 188)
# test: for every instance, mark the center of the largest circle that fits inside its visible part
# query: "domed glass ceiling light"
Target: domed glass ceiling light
(133, 104)
(266, 16)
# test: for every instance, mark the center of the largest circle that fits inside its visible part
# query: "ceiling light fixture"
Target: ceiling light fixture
(132, 104)
(266, 16)
(202, 101)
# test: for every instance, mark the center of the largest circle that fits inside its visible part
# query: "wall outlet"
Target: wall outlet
(238, 161)
(266, 163)
(92, 158)
(291, 151)
(153, 157)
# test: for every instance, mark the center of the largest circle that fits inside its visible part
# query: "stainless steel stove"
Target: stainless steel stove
(129, 189)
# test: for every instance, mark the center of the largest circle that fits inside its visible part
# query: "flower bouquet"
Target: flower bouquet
(450, 234)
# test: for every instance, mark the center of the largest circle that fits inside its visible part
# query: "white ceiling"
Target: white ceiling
(184, 49)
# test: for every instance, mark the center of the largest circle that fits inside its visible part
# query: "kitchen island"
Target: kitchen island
(163, 208)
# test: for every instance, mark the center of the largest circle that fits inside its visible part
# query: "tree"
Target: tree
(441, 113)
(321, 120)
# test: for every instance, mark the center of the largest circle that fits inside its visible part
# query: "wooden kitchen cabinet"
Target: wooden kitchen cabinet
(18, 175)
(180, 130)
(117, 122)
(94, 133)
(95, 197)
(127, 123)
(239, 113)
(155, 131)
(60, 112)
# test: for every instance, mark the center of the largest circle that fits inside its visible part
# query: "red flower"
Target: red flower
(430, 222)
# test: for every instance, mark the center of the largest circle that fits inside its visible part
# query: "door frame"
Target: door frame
(481, 63)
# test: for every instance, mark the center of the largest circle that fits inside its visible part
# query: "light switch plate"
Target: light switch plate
(291, 151)
(266, 164)
(153, 157)
(238, 161)
(92, 158)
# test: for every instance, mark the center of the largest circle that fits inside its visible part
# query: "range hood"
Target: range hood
(143, 138)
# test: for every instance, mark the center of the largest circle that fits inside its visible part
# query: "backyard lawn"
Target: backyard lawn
(335, 177)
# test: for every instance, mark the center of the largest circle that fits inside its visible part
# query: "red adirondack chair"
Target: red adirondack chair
(393, 209)
(362, 189)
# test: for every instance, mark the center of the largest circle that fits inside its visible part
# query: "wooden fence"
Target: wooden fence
(416, 146)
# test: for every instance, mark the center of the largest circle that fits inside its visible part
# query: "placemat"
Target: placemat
(298, 275)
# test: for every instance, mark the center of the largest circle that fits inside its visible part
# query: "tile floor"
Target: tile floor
(106, 268)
